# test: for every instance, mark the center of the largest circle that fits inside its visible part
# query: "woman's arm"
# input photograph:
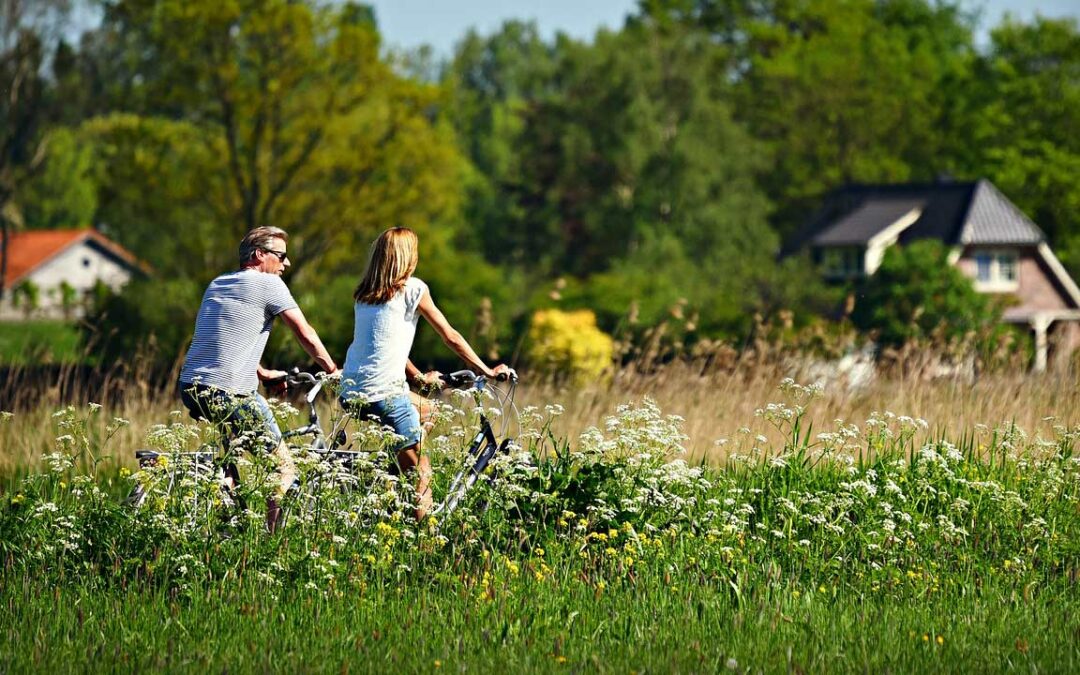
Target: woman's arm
(432, 378)
(454, 339)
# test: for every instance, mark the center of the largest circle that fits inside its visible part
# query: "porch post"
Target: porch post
(1040, 323)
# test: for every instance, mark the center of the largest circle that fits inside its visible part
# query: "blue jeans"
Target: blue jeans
(237, 413)
(396, 412)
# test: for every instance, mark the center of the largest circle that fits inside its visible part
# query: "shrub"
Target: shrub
(916, 292)
(568, 343)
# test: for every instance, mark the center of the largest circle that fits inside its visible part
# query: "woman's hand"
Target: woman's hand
(429, 380)
(503, 372)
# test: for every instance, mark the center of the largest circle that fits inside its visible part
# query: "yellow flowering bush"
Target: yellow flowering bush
(569, 343)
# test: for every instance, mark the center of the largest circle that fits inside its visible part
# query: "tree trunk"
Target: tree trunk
(5, 233)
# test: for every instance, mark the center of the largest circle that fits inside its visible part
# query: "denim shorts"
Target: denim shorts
(237, 413)
(396, 412)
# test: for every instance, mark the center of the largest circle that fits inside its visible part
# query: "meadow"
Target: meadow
(730, 522)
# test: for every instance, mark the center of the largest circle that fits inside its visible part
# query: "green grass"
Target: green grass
(852, 551)
(39, 341)
(420, 625)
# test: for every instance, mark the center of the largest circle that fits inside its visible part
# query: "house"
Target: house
(992, 242)
(62, 268)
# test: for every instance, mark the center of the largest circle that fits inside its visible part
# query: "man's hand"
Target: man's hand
(275, 381)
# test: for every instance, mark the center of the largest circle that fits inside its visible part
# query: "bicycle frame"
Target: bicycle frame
(482, 449)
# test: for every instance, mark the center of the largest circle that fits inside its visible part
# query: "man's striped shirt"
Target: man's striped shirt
(234, 322)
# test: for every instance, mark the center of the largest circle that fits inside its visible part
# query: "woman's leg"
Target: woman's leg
(426, 409)
(409, 459)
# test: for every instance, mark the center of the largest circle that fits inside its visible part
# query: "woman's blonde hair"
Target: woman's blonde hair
(391, 262)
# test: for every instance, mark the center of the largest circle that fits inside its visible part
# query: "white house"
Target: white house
(51, 272)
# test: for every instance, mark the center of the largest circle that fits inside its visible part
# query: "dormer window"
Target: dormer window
(996, 270)
(842, 262)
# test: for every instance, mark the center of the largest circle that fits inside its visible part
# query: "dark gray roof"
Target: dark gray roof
(993, 219)
(953, 212)
(866, 221)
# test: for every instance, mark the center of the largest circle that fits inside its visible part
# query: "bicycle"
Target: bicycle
(337, 463)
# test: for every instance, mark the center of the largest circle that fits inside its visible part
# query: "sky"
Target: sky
(408, 24)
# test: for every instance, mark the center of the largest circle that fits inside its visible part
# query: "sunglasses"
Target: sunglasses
(281, 255)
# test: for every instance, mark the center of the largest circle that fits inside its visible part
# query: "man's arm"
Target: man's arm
(308, 338)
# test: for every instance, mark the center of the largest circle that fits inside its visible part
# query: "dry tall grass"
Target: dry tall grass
(715, 405)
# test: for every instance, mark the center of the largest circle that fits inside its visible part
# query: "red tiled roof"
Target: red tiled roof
(29, 250)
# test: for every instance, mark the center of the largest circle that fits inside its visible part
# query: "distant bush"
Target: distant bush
(568, 343)
(151, 318)
(917, 293)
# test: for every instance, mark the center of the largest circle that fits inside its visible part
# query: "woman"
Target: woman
(377, 368)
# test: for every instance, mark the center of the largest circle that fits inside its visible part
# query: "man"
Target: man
(221, 373)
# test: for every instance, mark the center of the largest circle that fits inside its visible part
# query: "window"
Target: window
(1007, 267)
(983, 264)
(842, 263)
(996, 270)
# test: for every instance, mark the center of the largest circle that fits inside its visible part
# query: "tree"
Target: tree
(494, 81)
(1025, 133)
(298, 123)
(856, 91)
(917, 291)
(63, 193)
(26, 32)
(27, 295)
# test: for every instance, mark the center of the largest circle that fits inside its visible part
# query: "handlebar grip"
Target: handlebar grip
(301, 378)
(459, 378)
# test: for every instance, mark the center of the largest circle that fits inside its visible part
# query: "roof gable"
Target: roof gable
(27, 251)
(993, 219)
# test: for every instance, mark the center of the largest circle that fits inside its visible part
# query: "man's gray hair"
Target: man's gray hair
(259, 238)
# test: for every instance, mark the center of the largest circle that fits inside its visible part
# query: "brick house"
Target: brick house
(992, 242)
(59, 263)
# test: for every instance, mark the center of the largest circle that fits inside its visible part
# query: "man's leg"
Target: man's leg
(217, 407)
(254, 413)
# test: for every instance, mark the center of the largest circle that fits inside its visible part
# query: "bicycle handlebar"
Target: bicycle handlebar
(466, 378)
(297, 376)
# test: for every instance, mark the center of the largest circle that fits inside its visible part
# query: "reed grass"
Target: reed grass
(714, 405)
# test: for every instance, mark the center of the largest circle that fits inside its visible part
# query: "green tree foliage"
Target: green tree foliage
(63, 194)
(156, 176)
(1024, 135)
(27, 31)
(300, 123)
(150, 322)
(856, 91)
(618, 161)
(494, 81)
(917, 291)
(645, 171)
(26, 296)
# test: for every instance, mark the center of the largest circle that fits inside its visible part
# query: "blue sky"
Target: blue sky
(441, 23)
